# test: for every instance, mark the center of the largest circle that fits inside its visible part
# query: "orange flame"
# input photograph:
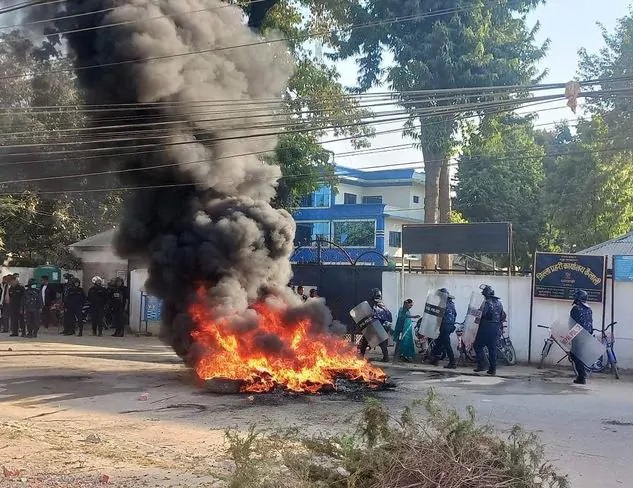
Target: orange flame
(301, 361)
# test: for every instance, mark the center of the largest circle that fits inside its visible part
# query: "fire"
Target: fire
(295, 360)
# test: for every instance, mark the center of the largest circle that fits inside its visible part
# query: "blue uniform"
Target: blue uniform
(488, 333)
(383, 315)
(583, 316)
(443, 342)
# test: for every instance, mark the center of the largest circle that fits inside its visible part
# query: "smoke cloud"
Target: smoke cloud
(210, 225)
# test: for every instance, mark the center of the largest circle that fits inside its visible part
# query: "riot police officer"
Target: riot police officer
(98, 299)
(583, 316)
(443, 342)
(117, 299)
(383, 315)
(489, 330)
(74, 300)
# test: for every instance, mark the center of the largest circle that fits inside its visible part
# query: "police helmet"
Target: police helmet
(97, 280)
(581, 296)
(487, 291)
(445, 291)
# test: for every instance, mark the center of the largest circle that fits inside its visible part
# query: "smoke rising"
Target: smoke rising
(211, 226)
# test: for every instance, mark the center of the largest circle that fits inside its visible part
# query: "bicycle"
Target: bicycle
(601, 364)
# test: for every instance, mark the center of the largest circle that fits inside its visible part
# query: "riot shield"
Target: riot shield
(433, 314)
(371, 328)
(473, 316)
(573, 338)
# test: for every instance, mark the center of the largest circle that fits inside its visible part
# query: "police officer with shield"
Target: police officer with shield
(383, 315)
(489, 330)
(583, 316)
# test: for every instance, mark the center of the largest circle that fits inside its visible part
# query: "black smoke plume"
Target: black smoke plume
(197, 108)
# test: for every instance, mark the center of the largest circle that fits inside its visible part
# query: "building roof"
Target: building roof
(620, 246)
(103, 239)
(380, 176)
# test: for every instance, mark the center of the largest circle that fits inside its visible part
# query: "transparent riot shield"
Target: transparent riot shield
(433, 314)
(371, 328)
(573, 338)
(473, 316)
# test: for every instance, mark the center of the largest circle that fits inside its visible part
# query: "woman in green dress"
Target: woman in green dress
(403, 335)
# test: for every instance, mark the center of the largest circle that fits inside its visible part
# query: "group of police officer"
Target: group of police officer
(490, 323)
(100, 299)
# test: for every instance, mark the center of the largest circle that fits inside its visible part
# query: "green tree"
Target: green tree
(315, 101)
(459, 44)
(37, 222)
(500, 178)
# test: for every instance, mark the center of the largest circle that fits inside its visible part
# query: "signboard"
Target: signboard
(558, 276)
(623, 268)
(491, 237)
(152, 308)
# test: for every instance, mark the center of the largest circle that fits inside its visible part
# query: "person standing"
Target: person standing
(74, 299)
(443, 342)
(383, 315)
(32, 307)
(403, 335)
(98, 298)
(4, 304)
(581, 314)
(48, 295)
(16, 307)
(488, 332)
(117, 299)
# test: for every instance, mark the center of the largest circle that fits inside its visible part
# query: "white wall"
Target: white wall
(515, 296)
(137, 285)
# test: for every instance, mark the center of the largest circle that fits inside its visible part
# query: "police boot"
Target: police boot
(81, 331)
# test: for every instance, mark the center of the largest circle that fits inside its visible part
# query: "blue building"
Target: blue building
(363, 214)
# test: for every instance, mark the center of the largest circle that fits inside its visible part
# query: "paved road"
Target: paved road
(588, 431)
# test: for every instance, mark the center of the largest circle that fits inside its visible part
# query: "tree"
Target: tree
(591, 188)
(38, 227)
(459, 44)
(500, 178)
(316, 102)
(590, 181)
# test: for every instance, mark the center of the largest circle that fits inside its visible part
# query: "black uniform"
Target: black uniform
(74, 299)
(117, 297)
(16, 309)
(32, 309)
(98, 297)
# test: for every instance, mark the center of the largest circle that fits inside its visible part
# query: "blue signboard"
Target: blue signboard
(558, 276)
(623, 268)
(152, 308)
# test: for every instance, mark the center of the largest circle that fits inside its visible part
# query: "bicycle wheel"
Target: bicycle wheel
(613, 362)
(509, 354)
(544, 352)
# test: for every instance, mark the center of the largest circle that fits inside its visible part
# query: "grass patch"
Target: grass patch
(443, 450)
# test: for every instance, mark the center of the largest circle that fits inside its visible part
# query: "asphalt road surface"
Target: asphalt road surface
(127, 407)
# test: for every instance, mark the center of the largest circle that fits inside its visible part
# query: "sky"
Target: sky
(568, 24)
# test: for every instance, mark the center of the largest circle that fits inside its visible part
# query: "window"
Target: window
(355, 233)
(349, 198)
(416, 199)
(319, 198)
(395, 238)
(373, 199)
(308, 232)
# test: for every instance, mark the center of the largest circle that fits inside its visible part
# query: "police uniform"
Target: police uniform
(98, 298)
(74, 300)
(583, 316)
(488, 333)
(443, 342)
(383, 315)
(117, 295)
